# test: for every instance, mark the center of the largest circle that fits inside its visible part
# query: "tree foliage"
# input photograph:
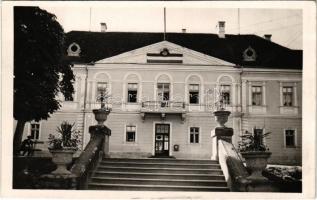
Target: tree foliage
(40, 70)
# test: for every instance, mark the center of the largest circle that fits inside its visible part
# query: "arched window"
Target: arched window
(225, 89)
(194, 87)
(133, 92)
(163, 89)
(102, 85)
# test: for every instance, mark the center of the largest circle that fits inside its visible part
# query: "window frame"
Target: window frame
(132, 89)
(126, 134)
(288, 93)
(222, 85)
(255, 92)
(192, 90)
(257, 109)
(285, 109)
(295, 137)
(30, 130)
(163, 91)
(97, 89)
(194, 133)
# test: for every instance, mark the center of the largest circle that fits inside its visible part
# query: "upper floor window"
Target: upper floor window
(257, 95)
(101, 89)
(225, 94)
(290, 139)
(130, 133)
(194, 93)
(163, 91)
(194, 135)
(287, 96)
(132, 92)
(35, 130)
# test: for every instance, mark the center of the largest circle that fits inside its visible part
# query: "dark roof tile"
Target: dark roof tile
(99, 45)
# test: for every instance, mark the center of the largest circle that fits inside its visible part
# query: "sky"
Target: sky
(285, 25)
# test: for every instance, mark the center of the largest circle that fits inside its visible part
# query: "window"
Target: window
(257, 134)
(101, 89)
(194, 135)
(290, 138)
(225, 94)
(130, 133)
(256, 95)
(132, 92)
(287, 96)
(194, 94)
(35, 131)
(163, 93)
(249, 54)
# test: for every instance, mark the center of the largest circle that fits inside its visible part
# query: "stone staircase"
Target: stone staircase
(158, 175)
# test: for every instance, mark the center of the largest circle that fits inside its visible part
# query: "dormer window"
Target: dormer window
(73, 49)
(249, 54)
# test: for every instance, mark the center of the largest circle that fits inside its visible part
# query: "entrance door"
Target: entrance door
(162, 139)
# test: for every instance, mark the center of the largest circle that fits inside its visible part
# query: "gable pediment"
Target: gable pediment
(165, 53)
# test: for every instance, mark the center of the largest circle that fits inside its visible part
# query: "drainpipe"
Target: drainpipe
(85, 101)
(241, 73)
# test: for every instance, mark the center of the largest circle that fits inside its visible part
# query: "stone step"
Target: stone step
(160, 175)
(158, 181)
(159, 170)
(159, 165)
(160, 160)
(131, 187)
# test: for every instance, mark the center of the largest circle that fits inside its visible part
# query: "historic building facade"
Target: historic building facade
(163, 92)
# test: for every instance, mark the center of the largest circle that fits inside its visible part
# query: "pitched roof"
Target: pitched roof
(99, 45)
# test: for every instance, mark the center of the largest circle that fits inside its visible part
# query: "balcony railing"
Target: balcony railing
(164, 106)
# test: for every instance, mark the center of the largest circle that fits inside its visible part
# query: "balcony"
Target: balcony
(163, 108)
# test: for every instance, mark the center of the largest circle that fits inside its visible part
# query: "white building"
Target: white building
(162, 91)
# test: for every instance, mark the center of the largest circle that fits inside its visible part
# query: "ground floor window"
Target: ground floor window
(35, 130)
(130, 133)
(258, 135)
(290, 138)
(194, 135)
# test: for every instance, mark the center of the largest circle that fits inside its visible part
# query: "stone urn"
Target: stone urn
(221, 117)
(101, 115)
(62, 158)
(256, 161)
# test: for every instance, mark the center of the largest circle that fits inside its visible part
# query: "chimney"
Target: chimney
(267, 37)
(183, 30)
(103, 27)
(221, 27)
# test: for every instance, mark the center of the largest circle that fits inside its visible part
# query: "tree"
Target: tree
(40, 70)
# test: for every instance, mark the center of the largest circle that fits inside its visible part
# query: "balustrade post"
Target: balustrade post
(221, 132)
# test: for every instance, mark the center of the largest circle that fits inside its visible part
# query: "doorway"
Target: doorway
(162, 140)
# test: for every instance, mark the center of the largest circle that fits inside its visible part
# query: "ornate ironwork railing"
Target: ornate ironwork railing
(163, 106)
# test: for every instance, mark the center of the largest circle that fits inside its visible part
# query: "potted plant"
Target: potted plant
(221, 114)
(63, 146)
(255, 153)
(102, 113)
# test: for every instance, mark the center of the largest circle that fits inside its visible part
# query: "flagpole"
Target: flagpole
(89, 19)
(164, 23)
